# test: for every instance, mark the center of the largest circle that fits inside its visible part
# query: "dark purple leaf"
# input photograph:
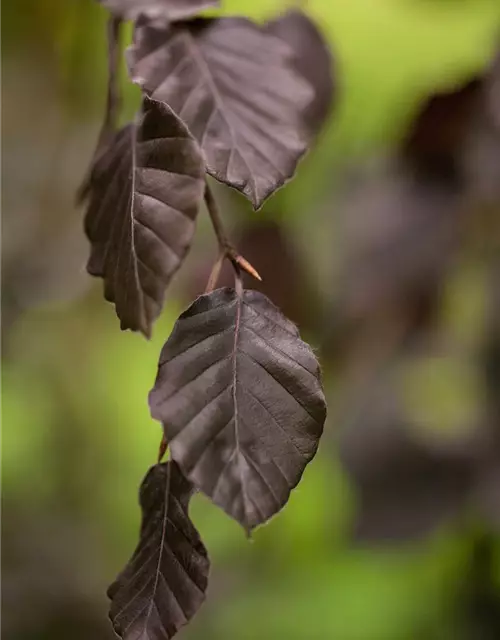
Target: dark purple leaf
(235, 86)
(240, 399)
(164, 584)
(312, 60)
(158, 9)
(144, 195)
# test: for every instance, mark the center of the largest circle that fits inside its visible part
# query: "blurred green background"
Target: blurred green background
(77, 435)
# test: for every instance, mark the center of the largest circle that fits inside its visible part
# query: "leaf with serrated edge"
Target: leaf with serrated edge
(235, 85)
(159, 9)
(312, 59)
(164, 583)
(240, 399)
(145, 191)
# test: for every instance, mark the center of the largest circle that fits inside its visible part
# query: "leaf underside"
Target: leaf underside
(312, 59)
(235, 85)
(144, 194)
(164, 583)
(158, 9)
(240, 399)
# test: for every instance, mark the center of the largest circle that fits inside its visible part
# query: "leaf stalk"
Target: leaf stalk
(226, 248)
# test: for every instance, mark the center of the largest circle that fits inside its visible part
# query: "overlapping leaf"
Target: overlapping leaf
(158, 9)
(236, 86)
(240, 398)
(144, 195)
(312, 60)
(164, 584)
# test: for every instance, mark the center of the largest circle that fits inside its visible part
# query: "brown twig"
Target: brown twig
(113, 102)
(162, 449)
(215, 273)
(113, 98)
(238, 284)
(226, 249)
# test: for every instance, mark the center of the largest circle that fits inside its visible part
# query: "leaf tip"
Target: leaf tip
(248, 533)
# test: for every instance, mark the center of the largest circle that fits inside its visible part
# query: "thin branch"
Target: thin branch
(226, 249)
(215, 273)
(213, 211)
(162, 448)
(113, 99)
(238, 284)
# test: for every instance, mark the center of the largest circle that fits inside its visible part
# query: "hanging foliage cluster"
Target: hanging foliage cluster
(238, 393)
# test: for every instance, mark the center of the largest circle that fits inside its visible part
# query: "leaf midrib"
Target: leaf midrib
(218, 99)
(237, 449)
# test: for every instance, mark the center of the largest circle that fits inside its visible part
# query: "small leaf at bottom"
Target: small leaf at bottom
(164, 583)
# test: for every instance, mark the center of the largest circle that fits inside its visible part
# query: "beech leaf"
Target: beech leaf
(235, 85)
(144, 194)
(167, 10)
(312, 59)
(240, 398)
(164, 584)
